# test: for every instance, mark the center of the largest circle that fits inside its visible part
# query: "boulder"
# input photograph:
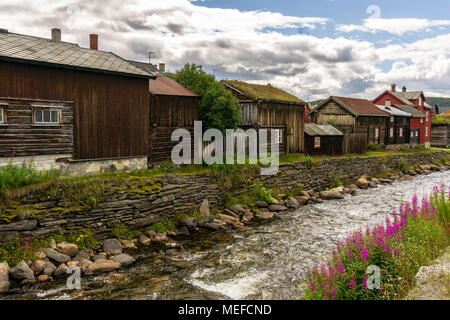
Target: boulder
(52, 244)
(160, 237)
(302, 200)
(49, 268)
(204, 208)
(227, 219)
(128, 244)
(189, 222)
(43, 278)
(69, 249)
(151, 233)
(124, 259)
(292, 203)
(102, 266)
(316, 200)
(112, 246)
(247, 217)
(373, 185)
(4, 279)
(230, 213)
(425, 167)
(239, 210)
(84, 254)
(143, 240)
(184, 231)
(265, 215)
(98, 257)
(434, 167)
(375, 180)
(22, 272)
(73, 263)
(362, 183)
(261, 204)
(213, 226)
(277, 208)
(83, 262)
(56, 256)
(61, 271)
(38, 266)
(331, 195)
(40, 255)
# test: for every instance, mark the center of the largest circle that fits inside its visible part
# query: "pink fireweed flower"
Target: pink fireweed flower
(364, 254)
(396, 252)
(313, 286)
(352, 282)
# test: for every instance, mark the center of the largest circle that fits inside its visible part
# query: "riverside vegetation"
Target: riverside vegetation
(415, 236)
(84, 193)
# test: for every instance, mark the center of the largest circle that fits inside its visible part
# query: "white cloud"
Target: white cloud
(244, 45)
(394, 26)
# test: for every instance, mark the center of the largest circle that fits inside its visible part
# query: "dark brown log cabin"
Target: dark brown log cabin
(323, 139)
(440, 134)
(353, 116)
(109, 97)
(267, 107)
(398, 125)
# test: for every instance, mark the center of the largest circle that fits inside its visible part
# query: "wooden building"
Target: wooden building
(267, 107)
(421, 124)
(398, 125)
(323, 139)
(440, 134)
(353, 116)
(172, 106)
(59, 98)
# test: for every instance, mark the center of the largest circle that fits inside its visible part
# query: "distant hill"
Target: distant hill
(444, 103)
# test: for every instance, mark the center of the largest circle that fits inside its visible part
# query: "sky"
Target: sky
(313, 49)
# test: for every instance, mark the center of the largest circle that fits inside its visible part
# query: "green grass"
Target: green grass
(441, 119)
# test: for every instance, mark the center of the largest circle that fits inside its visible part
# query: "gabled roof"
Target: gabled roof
(312, 129)
(357, 107)
(394, 111)
(410, 95)
(266, 93)
(416, 113)
(395, 95)
(163, 85)
(34, 50)
(146, 66)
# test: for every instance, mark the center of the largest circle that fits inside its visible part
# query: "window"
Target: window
(279, 136)
(400, 133)
(412, 134)
(420, 101)
(392, 118)
(2, 117)
(46, 116)
(391, 132)
(426, 131)
(377, 133)
(417, 134)
(316, 142)
(427, 116)
(421, 120)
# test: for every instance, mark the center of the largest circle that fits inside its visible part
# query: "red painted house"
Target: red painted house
(406, 100)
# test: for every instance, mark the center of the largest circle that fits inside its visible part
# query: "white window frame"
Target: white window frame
(392, 118)
(279, 134)
(51, 109)
(2, 115)
(426, 131)
(421, 120)
(391, 132)
(377, 133)
(317, 142)
(400, 132)
(427, 116)
(420, 101)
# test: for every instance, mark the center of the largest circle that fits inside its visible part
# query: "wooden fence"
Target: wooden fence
(354, 143)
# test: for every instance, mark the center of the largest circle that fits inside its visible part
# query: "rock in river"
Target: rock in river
(330, 195)
(22, 271)
(56, 256)
(277, 208)
(362, 183)
(124, 259)
(265, 215)
(112, 246)
(67, 248)
(103, 266)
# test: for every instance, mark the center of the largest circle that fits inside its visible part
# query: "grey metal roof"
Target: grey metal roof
(410, 94)
(412, 110)
(394, 111)
(23, 48)
(146, 66)
(312, 129)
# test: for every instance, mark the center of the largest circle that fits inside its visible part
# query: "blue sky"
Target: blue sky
(312, 49)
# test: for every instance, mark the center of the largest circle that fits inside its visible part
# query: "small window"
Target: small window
(417, 134)
(47, 116)
(426, 131)
(421, 120)
(427, 115)
(316, 142)
(377, 133)
(279, 136)
(392, 118)
(2, 117)
(391, 132)
(412, 134)
(420, 101)
(400, 133)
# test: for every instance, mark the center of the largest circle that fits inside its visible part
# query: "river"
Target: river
(267, 262)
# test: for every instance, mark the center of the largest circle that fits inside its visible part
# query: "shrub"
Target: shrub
(373, 147)
(415, 237)
(17, 176)
(260, 193)
(337, 182)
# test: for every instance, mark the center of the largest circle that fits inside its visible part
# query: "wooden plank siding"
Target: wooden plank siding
(399, 122)
(440, 134)
(110, 111)
(168, 113)
(329, 145)
(20, 136)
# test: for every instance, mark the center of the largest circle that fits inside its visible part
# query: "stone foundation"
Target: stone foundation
(41, 162)
(98, 166)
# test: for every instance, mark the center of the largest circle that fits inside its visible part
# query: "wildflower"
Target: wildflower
(396, 252)
(313, 287)
(352, 282)
(364, 254)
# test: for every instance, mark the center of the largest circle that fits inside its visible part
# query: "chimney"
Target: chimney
(394, 87)
(3, 30)
(404, 89)
(56, 35)
(387, 103)
(93, 41)
(162, 67)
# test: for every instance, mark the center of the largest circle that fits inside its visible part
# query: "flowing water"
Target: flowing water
(267, 262)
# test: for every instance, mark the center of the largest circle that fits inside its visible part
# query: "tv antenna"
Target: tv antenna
(150, 56)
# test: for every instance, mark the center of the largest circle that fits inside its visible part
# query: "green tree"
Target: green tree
(218, 108)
